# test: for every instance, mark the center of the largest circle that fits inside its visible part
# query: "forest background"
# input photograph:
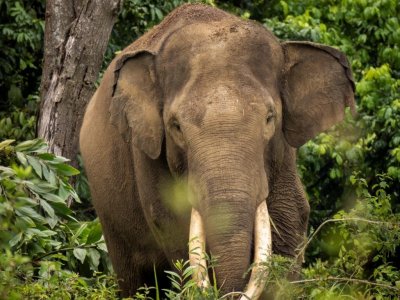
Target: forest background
(51, 245)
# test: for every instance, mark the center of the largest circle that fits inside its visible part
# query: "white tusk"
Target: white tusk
(262, 251)
(197, 251)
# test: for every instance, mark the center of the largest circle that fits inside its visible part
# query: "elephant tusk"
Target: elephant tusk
(262, 251)
(197, 251)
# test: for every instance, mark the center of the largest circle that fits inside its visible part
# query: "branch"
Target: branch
(361, 281)
(62, 250)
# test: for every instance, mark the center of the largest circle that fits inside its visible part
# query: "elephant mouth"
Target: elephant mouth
(262, 252)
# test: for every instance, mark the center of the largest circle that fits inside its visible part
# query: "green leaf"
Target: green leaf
(47, 208)
(53, 198)
(40, 233)
(15, 240)
(25, 145)
(66, 170)
(22, 158)
(26, 201)
(58, 160)
(29, 212)
(46, 156)
(95, 234)
(80, 254)
(24, 221)
(41, 187)
(102, 246)
(31, 146)
(158, 13)
(52, 221)
(46, 172)
(79, 231)
(94, 258)
(6, 143)
(62, 209)
(35, 164)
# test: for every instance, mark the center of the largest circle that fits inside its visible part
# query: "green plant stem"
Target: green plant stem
(361, 281)
(35, 260)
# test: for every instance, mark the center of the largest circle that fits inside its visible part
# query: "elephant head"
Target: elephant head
(226, 104)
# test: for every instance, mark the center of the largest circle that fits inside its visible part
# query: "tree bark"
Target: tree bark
(76, 38)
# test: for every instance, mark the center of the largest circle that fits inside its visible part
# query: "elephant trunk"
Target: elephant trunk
(229, 223)
(228, 187)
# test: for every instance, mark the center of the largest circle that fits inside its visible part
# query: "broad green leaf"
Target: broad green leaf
(47, 208)
(41, 187)
(102, 246)
(79, 231)
(22, 158)
(46, 172)
(6, 143)
(53, 198)
(55, 244)
(52, 177)
(66, 170)
(58, 160)
(52, 221)
(15, 240)
(95, 234)
(24, 221)
(46, 156)
(62, 209)
(41, 233)
(26, 201)
(75, 196)
(25, 145)
(29, 212)
(94, 257)
(63, 192)
(6, 172)
(37, 250)
(80, 254)
(35, 164)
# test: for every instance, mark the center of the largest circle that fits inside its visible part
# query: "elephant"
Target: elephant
(219, 105)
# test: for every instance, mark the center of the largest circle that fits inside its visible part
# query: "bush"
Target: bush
(40, 238)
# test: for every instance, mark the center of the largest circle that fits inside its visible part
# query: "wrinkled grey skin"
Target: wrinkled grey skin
(221, 104)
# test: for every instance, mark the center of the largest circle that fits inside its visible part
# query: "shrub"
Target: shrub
(40, 238)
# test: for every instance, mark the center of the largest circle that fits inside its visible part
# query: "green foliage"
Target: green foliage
(21, 44)
(19, 124)
(40, 238)
(362, 247)
(136, 17)
(368, 32)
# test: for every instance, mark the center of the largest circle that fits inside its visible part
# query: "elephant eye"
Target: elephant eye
(175, 125)
(270, 117)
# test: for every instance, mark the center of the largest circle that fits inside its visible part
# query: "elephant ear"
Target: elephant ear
(135, 106)
(317, 87)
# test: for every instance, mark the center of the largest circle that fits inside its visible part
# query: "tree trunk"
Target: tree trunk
(76, 38)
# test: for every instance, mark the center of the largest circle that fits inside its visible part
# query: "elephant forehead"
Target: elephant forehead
(219, 49)
(220, 35)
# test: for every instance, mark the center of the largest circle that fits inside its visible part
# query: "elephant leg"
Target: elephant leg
(133, 266)
(131, 245)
